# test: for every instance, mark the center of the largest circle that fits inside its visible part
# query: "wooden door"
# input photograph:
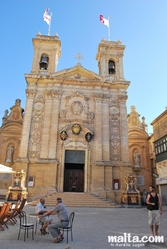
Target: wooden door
(73, 180)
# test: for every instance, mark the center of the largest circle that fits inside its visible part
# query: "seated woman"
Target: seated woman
(45, 220)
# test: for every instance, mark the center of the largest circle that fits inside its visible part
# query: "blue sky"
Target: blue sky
(141, 25)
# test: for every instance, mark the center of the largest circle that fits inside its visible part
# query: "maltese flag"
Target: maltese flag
(46, 17)
(104, 21)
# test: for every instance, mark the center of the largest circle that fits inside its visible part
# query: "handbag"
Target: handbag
(150, 207)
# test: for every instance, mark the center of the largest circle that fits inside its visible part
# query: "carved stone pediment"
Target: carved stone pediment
(78, 73)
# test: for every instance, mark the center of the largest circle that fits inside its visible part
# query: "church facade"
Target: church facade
(73, 135)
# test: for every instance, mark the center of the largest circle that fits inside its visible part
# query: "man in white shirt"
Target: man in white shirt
(45, 220)
(63, 221)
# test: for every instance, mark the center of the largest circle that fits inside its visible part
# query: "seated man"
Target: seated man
(45, 220)
(62, 214)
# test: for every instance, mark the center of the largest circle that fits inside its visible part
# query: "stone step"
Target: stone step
(77, 200)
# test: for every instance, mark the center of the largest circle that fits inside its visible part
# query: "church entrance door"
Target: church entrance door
(74, 171)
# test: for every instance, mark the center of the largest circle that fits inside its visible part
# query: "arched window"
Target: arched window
(111, 67)
(43, 64)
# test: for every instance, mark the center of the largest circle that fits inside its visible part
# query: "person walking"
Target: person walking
(61, 211)
(154, 210)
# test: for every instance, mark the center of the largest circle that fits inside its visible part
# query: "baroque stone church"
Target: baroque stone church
(75, 134)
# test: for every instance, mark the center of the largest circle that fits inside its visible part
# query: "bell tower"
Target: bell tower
(110, 59)
(47, 50)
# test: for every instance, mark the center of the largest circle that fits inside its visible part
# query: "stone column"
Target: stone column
(98, 127)
(54, 125)
(105, 125)
(88, 171)
(26, 124)
(124, 129)
(46, 126)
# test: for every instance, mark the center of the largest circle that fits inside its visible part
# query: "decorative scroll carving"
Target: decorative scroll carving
(115, 140)
(52, 94)
(56, 94)
(40, 99)
(123, 98)
(115, 147)
(36, 131)
(115, 158)
(98, 96)
(63, 114)
(114, 116)
(77, 108)
(91, 115)
(115, 130)
(49, 94)
(30, 93)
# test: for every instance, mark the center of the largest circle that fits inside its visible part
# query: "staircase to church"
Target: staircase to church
(77, 200)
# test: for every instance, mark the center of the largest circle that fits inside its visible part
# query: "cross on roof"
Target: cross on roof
(78, 57)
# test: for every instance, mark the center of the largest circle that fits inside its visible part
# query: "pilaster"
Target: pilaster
(46, 125)
(98, 126)
(124, 129)
(54, 124)
(26, 124)
(105, 125)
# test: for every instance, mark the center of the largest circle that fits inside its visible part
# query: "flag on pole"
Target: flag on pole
(104, 21)
(46, 17)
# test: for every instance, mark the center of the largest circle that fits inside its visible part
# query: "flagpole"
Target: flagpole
(49, 24)
(108, 29)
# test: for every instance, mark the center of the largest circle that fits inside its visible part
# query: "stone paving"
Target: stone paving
(91, 229)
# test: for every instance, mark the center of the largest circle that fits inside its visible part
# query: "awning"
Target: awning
(162, 180)
(6, 170)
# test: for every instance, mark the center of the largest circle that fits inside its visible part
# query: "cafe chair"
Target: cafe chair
(19, 209)
(2, 211)
(24, 225)
(10, 215)
(69, 227)
(4, 215)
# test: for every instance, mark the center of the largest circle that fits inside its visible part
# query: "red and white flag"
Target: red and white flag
(46, 17)
(104, 21)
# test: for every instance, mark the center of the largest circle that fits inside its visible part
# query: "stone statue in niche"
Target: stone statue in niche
(10, 151)
(136, 156)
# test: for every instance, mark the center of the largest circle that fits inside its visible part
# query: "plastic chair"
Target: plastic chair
(69, 227)
(25, 225)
